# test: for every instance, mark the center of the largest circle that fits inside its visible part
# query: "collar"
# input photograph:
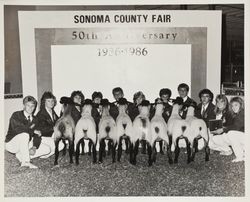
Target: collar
(205, 106)
(27, 115)
(185, 99)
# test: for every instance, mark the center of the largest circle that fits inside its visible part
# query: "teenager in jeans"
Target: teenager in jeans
(22, 134)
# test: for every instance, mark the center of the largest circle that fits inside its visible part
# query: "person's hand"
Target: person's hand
(38, 132)
(32, 126)
(218, 131)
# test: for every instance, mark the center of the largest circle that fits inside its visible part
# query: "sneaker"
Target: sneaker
(226, 153)
(32, 151)
(28, 164)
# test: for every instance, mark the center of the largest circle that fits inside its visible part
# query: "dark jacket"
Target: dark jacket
(209, 112)
(166, 112)
(19, 124)
(236, 122)
(133, 112)
(114, 112)
(45, 123)
(76, 115)
(96, 115)
(186, 104)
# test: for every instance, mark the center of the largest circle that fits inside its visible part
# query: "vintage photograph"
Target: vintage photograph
(124, 100)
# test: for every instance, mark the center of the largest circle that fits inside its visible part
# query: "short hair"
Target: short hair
(165, 91)
(183, 85)
(96, 94)
(47, 95)
(117, 89)
(29, 98)
(137, 95)
(224, 99)
(78, 92)
(206, 91)
(239, 100)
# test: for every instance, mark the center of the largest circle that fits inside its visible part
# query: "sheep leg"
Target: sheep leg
(188, 150)
(131, 156)
(109, 147)
(101, 149)
(143, 143)
(71, 150)
(170, 138)
(150, 162)
(64, 148)
(93, 150)
(170, 159)
(82, 144)
(90, 144)
(113, 147)
(154, 153)
(207, 151)
(78, 151)
(161, 147)
(127, 145)
(194, 149)
(177, 150)
(136, 148)
(119, 149)
(56, 151)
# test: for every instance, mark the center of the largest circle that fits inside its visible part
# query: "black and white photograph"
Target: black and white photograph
(124, 99)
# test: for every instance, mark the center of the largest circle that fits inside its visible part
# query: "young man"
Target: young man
(205, 110)
(183, 90)
(117, 94)
(22, 135)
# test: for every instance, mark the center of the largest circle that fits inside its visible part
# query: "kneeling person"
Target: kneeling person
(22, 134)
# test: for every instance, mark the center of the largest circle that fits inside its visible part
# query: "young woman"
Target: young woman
(47, 118)
(232, 134)
(78, 99)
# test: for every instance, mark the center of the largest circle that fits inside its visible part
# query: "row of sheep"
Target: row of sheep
(141, 129)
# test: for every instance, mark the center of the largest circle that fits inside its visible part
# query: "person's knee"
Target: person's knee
(23, 137)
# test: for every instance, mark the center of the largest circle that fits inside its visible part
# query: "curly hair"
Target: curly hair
(74, 93)
(47, 95)
(206, 91)
(165, 91)
(97, 94)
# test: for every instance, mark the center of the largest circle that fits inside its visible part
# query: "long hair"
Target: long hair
(47, 95)
(240, 101)
(224, 99)
(137, 95)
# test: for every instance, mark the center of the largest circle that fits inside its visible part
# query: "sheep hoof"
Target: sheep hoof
(94, 161)
(89, 153)
(175, 161)
(99, 162)
(161, 152)
(170, 161)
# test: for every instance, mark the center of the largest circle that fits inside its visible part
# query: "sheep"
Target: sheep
(64, 129)
(158, 129)
(124, 125)
(107, 130)
(141, 128)
(197, 131)
(85, 129)
(176, 130)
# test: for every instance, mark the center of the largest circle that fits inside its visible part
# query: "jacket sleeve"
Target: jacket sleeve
(18, 126)
(237, 124)
(42, 125)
